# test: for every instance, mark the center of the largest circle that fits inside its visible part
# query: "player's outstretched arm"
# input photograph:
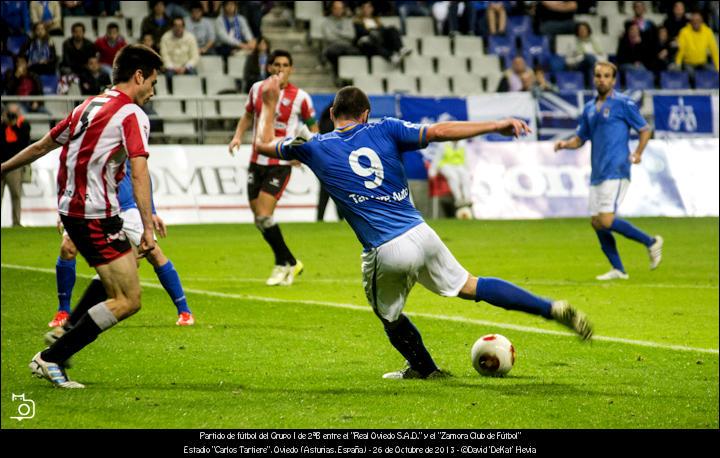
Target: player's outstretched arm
(141, 190)
(574, 143)
(30, 154)
(460, 130)
(265, 142)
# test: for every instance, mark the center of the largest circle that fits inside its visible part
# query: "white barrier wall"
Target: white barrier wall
(204, 184)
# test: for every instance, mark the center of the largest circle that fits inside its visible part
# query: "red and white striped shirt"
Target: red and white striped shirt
(97, 137)
(294, 106)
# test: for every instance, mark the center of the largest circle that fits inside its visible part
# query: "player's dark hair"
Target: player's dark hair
(278, 53)
(350, 102)
(132, 58)
(607, 64)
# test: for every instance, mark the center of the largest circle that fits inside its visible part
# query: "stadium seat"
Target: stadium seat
(232, 108)
(412, 43)
(370, 84)
(451, 65)
(49, 84)
(570, 81)
(161, 88)
(6, 63)
(483, 65)
(308, 10)
(465, 84)
(167, 108)
(15, 43)
(607, 43)
(179, 128)
(607, 8)
(57, 41)
(135, 28)
(349, 66)
(519, 26)
(468, 46)
(392, 21)
(210, 66)
(134, 8)
(536, 49)
(103, 21)
(201, 108)
(87, 21)
(434, 85)
(315, 29)
(187, 85)
(636, 80)
(706, 80)
(435, 46)
(401, 83)
(38, 129)
(674, 80)
(236, 65)
(418, 65)
(215, 84)
(500, 45)
(564, 44)
(380, 66)
(58, 108)
(419, 26)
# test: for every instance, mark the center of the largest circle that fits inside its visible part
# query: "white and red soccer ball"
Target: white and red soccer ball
(493, 355)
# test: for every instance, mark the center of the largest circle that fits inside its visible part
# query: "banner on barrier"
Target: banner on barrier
(685, 115)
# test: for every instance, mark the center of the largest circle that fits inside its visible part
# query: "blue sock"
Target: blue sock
(65, 278)
(406, 339)
(628, 230)
(170, 280)
(508, 296)
(607, 243)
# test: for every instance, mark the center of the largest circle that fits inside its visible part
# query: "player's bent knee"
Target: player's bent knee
(264, 222)
(68, 251)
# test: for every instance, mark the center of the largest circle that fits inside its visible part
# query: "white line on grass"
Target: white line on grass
(458, 319)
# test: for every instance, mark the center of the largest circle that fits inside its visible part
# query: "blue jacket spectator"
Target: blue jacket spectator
(15, 17)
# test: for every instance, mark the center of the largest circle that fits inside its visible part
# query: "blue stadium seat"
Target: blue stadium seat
(570, 81)
(6, 63)
(674, 80)
(500, 45)
(706, 80)
(519, 26)
(15, 43)
(49, 84)
(639, 80)
(537, 47)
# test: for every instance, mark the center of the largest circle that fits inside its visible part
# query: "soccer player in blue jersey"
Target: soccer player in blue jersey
(606, 121)
(95, 292)
(360, 165)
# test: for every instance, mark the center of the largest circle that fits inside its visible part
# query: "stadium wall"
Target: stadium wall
(203, 184)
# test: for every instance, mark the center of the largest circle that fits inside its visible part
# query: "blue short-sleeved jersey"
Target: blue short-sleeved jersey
(361, 167)
(608, 128)
(125, 194)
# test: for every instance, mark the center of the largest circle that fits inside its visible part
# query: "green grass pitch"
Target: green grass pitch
(312, 355)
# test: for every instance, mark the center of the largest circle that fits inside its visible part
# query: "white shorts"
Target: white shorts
(133, 226)
(607, 196)
(391, 270)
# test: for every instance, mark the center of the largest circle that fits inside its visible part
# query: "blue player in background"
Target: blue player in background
(360, 165)
(606, 121)
(95, 292)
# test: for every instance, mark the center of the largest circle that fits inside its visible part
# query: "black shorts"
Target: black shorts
(100, 241)
(271, 179)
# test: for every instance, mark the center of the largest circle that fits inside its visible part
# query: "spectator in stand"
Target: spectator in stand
(647, 28)
(411, 8)
(15, 17)
(256, 64)
(555, 17)
(174, 8)
(665, 51)
(202, 29)
(376, 39)
(232, 31)
(15, 136)
(517, 78)
(447, 17)
(586, 52)
(634, 53)
(157, 22)
(253, 12)
(103, 8)
(540, 83)
(40, 52)
(49, 14)
(338, 34)
(496, 18)
(676, 20)
(93, 80)
(21, 81)
(211, 8)
(76, 51)
(72, 8)
(695, 42)
(109, 45)
(179, 50)
(149, 40)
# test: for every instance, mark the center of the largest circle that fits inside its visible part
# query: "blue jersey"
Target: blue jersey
(362, 169)
(608, 128)
(125, 194)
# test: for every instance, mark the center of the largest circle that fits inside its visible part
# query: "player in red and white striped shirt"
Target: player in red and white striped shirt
(96, 139)
(268, 177)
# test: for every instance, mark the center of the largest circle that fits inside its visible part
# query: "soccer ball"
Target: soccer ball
(464, 213)
(493, 355)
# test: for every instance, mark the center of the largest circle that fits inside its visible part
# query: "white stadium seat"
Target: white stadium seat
(467, 84)
(401, 83)
(210, 65)
(349, 66)
(434, 85)
(369, 84)
(187, 85)
(419, 26)
(468, 45)
(451, 65)
(418, 65)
